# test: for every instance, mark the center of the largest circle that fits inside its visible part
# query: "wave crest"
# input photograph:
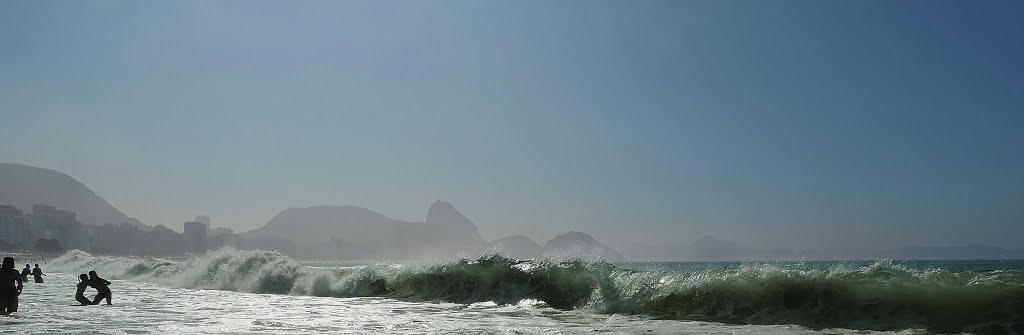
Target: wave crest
(882, 296)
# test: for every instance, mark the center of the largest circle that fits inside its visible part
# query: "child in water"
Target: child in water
(25, 272)
(83, 283)
(101, 286)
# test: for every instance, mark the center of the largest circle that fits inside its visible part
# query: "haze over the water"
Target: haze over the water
(798, 124)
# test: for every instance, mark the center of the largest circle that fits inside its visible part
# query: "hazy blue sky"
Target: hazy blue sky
(771, 123)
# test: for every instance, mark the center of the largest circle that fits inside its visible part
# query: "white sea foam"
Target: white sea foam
(879, 296)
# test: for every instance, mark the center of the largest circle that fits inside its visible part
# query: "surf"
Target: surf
(881, 296)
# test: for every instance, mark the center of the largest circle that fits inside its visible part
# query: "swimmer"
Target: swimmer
(101, 286)
(10, 286)
(38, 273)
(83, 283)
(25, 272)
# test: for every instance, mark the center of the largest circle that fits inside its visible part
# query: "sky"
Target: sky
(797, 124)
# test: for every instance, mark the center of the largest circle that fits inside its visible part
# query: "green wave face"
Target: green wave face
(880, 296)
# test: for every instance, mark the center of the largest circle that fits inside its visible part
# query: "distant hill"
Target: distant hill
(577, 245)
(445, 233)
(444, 214)
(318, 224)
(24, 186)
(358, 233)
(516, 246)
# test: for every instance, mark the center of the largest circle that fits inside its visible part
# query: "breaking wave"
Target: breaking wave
(882, 296)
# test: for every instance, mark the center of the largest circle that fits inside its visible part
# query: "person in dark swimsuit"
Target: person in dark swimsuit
(25, 272)
(38, 273)
(10, 286)
(101, 286)
(83, 283)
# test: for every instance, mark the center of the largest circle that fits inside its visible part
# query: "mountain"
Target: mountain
(24, 186)
(516, 246)
(444, 217)
(358, 233)
(577, 245)
(443, 213)
(317, 224)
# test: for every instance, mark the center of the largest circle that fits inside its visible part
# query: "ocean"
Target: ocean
(253, 292)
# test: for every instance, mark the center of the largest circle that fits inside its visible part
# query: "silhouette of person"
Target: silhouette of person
(38, 273)
(10, 286)
(25, 272)
(101, 286)
(83, 283)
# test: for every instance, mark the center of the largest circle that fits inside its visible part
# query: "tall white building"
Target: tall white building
(14, 227)
(52, 223)
(195, 237)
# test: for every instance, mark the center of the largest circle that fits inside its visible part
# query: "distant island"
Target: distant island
(45, 211)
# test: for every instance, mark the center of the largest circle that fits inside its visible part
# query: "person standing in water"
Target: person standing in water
(102, 288)
(83, 283)
(10, 286)
(25, 272)
(38, 273)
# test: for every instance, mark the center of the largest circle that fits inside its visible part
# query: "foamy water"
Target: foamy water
(232, 292)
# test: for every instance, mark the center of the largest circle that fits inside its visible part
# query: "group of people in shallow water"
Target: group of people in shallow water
(37, 273)
(11, 285)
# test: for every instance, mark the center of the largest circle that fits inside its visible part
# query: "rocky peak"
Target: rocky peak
(577, 245)
(444, 214)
